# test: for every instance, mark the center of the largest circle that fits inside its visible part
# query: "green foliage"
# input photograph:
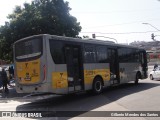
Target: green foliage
(5, 43)
(38, 17)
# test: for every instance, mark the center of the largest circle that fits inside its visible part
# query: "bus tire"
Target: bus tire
(97, 86)
(137, 78)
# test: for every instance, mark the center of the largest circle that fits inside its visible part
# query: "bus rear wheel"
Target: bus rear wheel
(97, 85)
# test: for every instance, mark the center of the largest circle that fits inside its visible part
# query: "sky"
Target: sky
(121, 20)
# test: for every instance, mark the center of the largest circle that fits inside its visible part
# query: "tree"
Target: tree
(38, 17)
(5, 43)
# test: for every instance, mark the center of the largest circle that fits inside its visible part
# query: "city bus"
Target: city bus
(63, 65)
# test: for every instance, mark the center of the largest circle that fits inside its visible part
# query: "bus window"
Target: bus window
(57, 51)
(90, 54)
(142, 58)
(101, 54)
(28, 48)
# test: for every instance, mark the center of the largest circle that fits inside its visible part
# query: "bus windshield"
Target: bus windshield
(28, 48)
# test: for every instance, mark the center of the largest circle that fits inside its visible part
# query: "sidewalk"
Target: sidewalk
(12, 93)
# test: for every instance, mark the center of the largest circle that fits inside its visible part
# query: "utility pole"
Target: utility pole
(152, 35)
(151, 26)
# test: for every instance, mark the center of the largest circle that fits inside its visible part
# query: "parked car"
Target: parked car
(155, 73)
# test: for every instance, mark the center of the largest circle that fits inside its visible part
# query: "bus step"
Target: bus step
(114, 82)
(76, 91)
(37, 94)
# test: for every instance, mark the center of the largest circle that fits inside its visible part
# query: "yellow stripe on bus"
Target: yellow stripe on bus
(60, 79)
(89, 75)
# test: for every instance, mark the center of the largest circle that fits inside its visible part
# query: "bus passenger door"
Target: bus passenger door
(114, 66)
(74, 67)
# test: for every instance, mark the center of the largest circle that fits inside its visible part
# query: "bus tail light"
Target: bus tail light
(44, 72)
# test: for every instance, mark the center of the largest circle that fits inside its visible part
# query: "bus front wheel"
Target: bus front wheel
(97, 85)
(137, 78)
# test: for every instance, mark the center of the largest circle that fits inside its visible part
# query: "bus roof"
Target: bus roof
(89, 40)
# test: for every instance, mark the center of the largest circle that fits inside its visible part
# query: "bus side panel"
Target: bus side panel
(103, 70)
(56, 74)
(60, 79)
(92, 70)
(128, 71)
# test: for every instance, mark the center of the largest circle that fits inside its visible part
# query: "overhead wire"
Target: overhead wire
(122, 32)
(134, 22)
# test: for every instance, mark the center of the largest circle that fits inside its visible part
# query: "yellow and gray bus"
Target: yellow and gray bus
(63, 65)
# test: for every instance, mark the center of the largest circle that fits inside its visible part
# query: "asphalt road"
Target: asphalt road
(127, 97)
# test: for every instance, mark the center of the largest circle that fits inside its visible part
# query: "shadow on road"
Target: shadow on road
(84, 102)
